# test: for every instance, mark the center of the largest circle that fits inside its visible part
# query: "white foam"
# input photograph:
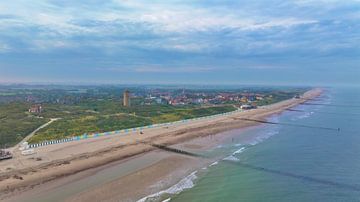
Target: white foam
(302, 116)
(231, 158)
(264, 137)
(239, 151)
(254, 143)
(213, 164)
(186, 183)
(166, 200)
(271, 133)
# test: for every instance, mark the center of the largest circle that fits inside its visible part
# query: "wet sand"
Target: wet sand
(160, 175)
(65, 163)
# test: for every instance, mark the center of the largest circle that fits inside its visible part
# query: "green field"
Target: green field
(89, 117)
(16, 123)
(129, 118)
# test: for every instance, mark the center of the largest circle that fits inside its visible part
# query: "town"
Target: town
(172, 95)
(77, 110)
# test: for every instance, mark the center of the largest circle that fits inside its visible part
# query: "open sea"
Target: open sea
(286, 162)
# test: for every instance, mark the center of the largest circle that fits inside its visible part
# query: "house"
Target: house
(36, 109)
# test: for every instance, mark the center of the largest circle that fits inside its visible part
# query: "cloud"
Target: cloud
(176, 37)
(45, 20)
(4, 48)
(173, 70)
(159, 69)
(185, 18)
(322, 2)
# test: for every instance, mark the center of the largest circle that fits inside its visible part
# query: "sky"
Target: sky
(270, 42)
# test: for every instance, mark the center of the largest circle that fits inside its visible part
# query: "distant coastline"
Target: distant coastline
(70, 158)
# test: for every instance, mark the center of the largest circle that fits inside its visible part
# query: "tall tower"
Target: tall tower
(126, 98)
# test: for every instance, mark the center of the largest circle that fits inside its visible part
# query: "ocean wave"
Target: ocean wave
(264, 137)
(253, 143)
(231, 158)
(185, 183)
(213, 164)
(302, 116)
(274, 118)
(239, 150)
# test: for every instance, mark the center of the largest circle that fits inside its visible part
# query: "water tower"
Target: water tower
(126, 98)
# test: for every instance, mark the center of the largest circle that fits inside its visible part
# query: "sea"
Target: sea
(312, 155)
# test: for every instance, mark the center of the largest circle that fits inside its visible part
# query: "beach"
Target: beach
(57, 166)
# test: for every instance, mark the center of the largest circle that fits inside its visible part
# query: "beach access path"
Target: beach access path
(15, 148)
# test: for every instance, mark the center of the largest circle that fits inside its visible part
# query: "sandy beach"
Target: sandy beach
(141, 166)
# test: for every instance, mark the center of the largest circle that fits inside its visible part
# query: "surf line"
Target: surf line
(312, 99)
(261, 169)
(335, 113)
(289, 124)
(331, 105)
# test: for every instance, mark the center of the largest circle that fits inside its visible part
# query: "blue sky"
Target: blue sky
(295, 42)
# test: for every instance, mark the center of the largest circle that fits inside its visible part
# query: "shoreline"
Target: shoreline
(94, 153)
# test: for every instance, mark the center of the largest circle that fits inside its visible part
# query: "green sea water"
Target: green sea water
(288, 163)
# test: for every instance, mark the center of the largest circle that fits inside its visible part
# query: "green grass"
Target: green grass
(181, 114)
(16, 123)
(133, 117)
(88, 124)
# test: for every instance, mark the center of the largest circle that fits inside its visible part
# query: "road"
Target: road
(14, 149)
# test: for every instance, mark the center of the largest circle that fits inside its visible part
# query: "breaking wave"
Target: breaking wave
(185, 183)
(263, 137)
(231, 158)
(239, 150)
(213, 164)
(302, 116)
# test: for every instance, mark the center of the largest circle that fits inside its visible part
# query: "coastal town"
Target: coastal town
(202, 98)
(51, 113)
(175, 96)
(67, 154)
(179, 101)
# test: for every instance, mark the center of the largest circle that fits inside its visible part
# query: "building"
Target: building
(36, 109)
(246, 107)
(159, 100)
(5, 155)
(126, 98)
